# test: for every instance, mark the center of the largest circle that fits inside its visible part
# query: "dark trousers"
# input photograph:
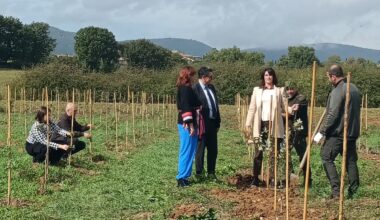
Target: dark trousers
(38, 151)
(258, 156)
(209, 141)
(330, 150)
(299, 143)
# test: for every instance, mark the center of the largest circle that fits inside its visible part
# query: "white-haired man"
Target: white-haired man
(79, 130)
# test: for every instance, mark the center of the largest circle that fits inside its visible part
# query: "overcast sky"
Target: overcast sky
(219, 23)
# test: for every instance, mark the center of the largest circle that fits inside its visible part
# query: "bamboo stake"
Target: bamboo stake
(107, 100)
(9, 136)
(344, 156)
(72, 127)
(146, 113)
(166, 110)
(312, 138)
(101, 107)
(133, 120)
(152, 110)
(116, 124)
(366, 122)
(85, 104)
(309, 140)
(275, 162)
(287, 157)
(47, 141)
(91, 123)
(269, 143)
(366, 112)
(25, 110)
(361, 122)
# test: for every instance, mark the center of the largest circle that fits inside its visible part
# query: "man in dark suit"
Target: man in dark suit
(210, 111)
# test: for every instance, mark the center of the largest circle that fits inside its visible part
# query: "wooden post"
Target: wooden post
(133, 120)
(9, 136)
(72, 127)
(116, 124)
(366, 122)
(91, 122)
(344, 156)
(275, 161)
(366, 112)
(47, 140)
(25, 110)
(361, 122)
(269, 141)
(316, 129)
(308, 150)
(287, 158)
(107, 100)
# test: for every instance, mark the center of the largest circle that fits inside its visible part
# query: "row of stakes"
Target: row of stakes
(141, 113)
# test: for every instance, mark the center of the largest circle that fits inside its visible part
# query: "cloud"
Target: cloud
(219, 23)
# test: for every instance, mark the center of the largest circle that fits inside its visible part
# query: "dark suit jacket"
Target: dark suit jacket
(65, 123)
(205, 109)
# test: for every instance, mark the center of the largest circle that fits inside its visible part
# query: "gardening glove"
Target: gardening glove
(318, 137)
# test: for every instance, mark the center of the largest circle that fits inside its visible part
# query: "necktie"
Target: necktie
(213, 105)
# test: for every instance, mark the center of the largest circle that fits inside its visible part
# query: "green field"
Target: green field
(137, 181)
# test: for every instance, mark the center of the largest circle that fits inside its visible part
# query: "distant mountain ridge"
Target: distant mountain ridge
(324, 50)
(65, 46)
(64, 40)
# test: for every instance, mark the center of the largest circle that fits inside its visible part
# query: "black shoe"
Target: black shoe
(187, 182)
(182, 183)
(255, 182)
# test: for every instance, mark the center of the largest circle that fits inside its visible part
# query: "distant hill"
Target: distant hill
(325, 50)
(191, 47)
(64, 39)
(65, 45)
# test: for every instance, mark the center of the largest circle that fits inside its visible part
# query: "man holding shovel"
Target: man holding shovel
(332, 131)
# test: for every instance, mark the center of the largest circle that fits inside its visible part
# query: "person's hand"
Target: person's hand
(318, 137)
(192, 130)
(63, 146)
(295, 107)
(87, 135)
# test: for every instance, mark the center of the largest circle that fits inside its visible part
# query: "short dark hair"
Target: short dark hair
(41, 114)
(204, 71)
(336, 70)
(271, 73)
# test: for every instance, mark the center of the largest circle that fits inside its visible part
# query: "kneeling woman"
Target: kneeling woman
(37, 140)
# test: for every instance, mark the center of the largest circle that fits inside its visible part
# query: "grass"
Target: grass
(139, 181)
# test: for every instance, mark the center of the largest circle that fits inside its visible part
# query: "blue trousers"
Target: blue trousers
(187, 148)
